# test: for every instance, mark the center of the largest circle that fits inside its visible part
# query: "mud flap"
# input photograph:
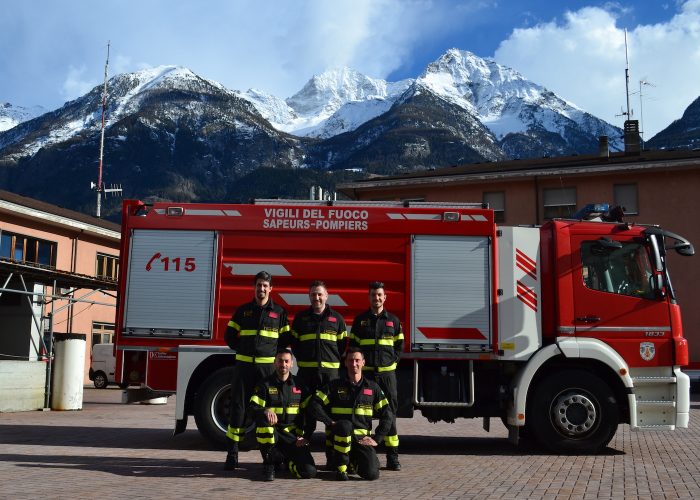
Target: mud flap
(513, 435)
(180, 426)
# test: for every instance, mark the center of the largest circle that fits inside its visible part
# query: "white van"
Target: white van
(102, 365)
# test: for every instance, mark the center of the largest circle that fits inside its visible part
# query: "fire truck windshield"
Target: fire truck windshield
(624, 269)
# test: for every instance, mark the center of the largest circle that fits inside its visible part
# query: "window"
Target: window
(27, 249)
(625, 195)
(559, 202)
(496, 200)
(102, 333)
(107, 266)
(625, 270)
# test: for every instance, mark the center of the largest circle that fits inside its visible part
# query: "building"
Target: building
(58, 274)
(655, 187)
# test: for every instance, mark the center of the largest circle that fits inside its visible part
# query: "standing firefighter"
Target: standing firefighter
(283, 433)
(254, 333)
(319, 336)
(347, 406)
(378, 334)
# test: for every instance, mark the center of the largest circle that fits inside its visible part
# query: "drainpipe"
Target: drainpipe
(537, 201)
(73, 267)
(49, 351)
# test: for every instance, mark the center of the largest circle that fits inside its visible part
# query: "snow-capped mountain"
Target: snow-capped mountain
(508, 103)
(169, 134)
(11, 116)
(515, 110)
(336, 101)
(127, 94)
(173, 134)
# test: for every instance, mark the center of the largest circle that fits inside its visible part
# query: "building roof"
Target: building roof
(566, 165)
(55, 215)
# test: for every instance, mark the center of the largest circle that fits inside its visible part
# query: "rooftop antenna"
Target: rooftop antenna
(627, 77)
(641, 110)
(628, 113)
(100, 187)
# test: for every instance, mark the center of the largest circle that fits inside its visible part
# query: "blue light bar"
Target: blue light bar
(592, 210)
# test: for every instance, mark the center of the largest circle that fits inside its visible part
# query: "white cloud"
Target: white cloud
(275, 46)
(76, 84)
(582, 58)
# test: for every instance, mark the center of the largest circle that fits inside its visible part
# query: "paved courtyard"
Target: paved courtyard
(111, 450)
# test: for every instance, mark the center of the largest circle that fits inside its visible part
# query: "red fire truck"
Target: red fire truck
(563, 331)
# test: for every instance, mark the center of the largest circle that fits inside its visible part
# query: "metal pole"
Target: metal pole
(9, 277)
(49, 364)
(641, 111)
(102, 138)
(627, 78)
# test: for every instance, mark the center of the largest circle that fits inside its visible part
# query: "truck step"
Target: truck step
(670, 404)
(656, 428)
(653, 380)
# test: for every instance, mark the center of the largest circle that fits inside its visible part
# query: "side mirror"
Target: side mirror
(685, 249)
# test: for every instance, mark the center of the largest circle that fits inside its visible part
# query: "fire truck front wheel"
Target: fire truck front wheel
(573, 412)
(211, 406)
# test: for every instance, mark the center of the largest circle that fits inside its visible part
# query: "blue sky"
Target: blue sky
(52, 51)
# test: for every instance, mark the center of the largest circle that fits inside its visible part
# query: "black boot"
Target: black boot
(268, 472)
(231, 458)
(392, 459)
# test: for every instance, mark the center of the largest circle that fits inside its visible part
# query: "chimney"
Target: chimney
(603, 149)
(632, 141)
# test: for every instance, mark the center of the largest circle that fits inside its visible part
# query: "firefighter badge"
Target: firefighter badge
(647, 350)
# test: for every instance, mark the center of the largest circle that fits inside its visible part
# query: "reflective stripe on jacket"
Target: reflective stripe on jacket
(287, 399)
(255, 331)
(343, 400)
(380, 337)
(318, 340)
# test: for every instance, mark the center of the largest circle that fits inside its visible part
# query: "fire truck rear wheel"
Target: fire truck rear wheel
(211, 406)
(573, 412)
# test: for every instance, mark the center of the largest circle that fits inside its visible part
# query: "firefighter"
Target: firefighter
(278, 403)
(378, 333)
(254, 332)
(319, 336)
(346, 406)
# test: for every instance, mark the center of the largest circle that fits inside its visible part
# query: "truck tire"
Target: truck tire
(573, 412)
(212, 404)
(100, 380)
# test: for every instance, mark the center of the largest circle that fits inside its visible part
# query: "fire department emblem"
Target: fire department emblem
(647, 350)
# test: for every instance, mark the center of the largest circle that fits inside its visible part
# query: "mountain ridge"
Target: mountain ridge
(172, 134)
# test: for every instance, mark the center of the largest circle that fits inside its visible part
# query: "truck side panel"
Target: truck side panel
(451, 286)
(346, 264)
(170, 284)
(520, 302)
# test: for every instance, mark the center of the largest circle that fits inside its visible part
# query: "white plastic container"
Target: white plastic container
(69, 362)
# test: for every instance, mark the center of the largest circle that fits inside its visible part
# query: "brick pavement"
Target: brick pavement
(110, 450)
